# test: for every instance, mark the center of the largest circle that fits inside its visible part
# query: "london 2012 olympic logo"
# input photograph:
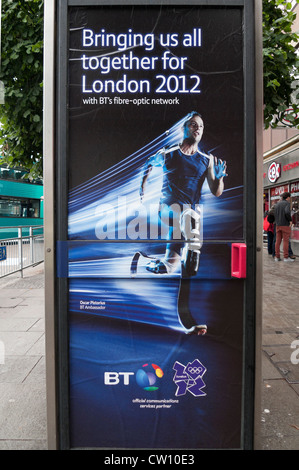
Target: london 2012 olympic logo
(188, 378)
(148, 377)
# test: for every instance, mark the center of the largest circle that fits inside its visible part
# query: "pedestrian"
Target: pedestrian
(271, 220)
(269, 229)
(283, 221)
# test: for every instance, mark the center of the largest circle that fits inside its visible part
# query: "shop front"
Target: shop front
(281, 174)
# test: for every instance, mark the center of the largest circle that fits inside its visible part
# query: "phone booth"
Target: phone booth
(153, 203)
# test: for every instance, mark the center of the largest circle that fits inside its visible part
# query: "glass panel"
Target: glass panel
(19, 207)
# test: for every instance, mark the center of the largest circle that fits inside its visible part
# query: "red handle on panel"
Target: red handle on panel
(238, 260)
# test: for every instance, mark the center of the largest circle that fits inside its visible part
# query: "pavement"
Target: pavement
(23, 421)
(23, 414)
(280, 373)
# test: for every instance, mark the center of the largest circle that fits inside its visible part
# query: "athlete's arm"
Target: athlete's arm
(154, 160)
(216, 174)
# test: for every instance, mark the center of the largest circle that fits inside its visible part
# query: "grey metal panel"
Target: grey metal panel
(61, 211)
(49, 198)
(259, 217)
(252, 131)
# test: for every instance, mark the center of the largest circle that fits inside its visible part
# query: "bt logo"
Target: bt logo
(146, 377)
(114, 378)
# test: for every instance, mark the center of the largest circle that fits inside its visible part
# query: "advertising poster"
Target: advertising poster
(155, 205)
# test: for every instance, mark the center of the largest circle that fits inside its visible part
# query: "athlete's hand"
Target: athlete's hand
(141, 195)
(219, 168)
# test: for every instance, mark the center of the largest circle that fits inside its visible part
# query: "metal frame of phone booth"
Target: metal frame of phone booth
(55, 187)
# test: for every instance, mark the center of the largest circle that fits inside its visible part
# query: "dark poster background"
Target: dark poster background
(114, 132)
(119, 324)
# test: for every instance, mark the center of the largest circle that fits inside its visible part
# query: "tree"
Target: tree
(281, 89)
(22, 76)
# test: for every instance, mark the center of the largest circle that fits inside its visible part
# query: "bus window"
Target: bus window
(19, 207)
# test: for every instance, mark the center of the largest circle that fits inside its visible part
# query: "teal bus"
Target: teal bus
(21, 202)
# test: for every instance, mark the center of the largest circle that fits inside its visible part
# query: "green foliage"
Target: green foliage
(280, 64)
(22, 75)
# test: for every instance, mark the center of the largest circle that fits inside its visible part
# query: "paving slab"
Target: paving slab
(280, 391)
(280, 418)
(23, 420)
(22, 411)
(19, 343)
(16, 369)
(8, 301)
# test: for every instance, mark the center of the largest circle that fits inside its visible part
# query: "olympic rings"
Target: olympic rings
(194, 370)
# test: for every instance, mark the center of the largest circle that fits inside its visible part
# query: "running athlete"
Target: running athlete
(185, 170)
